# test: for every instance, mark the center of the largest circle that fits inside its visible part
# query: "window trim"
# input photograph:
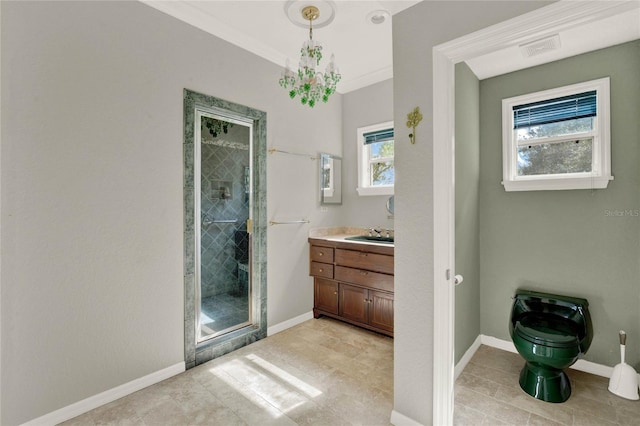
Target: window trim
(364, 187)
(600, 175)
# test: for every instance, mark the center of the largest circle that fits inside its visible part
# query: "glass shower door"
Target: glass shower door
(223, 275)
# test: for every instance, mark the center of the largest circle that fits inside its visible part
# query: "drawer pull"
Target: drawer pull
(320, 270)
(364, 273)
(320, 253)
(363, 254)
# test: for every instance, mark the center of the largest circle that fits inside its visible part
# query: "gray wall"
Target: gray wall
(369, 105)
(564, 241)
(91, 173)
(467, 179)
(415, 31)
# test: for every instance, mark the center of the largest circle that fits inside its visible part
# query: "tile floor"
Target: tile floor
(324, 372)
(487, 393)
(223, 311)
(321, 372)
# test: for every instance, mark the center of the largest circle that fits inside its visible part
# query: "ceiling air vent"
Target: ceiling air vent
(537, 47)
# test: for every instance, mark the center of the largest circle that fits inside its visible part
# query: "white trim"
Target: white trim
(580, 365)
(0, 210)
(557, 184)
(494, 342)
(350, 84)
(398, 419)
(191, 13)
(530, 26)
(281, 326)
(460, 366)
(443, 237)
(375, 190)
(88, 404)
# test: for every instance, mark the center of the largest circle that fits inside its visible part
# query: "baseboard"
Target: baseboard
(467, 357)
(494, 342)
(289, 323)
(398, 419)
(81, 407)
(580, 365)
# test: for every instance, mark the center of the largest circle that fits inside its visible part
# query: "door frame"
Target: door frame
(525, 28)
(197, 353)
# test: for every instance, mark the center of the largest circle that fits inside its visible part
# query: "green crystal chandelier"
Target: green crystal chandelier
(310, 85)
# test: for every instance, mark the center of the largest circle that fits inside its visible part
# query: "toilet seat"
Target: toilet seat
(547, 330)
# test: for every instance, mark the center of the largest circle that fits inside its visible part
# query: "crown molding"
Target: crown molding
(199, 18)
(351, 84)
(547, 20)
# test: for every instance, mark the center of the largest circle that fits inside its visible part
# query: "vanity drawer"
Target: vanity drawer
(321, 254)
(323, 270)
(365, 278)
(360, 259)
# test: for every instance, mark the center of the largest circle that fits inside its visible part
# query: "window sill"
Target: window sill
(599, 182)
(375, 190)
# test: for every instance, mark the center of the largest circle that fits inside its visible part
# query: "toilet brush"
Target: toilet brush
(624, 379)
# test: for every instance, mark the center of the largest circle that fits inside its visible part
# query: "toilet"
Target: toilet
(551, 332)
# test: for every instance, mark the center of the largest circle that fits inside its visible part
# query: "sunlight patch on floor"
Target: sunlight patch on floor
(262, 382)
(282, 374)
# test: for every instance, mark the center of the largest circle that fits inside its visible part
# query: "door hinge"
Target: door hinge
(249, 226)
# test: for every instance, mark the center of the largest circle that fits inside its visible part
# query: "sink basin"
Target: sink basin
(367, 238)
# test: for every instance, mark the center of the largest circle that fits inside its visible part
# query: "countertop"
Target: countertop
(338, 234)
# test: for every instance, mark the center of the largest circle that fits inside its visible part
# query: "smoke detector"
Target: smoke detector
(538, 47)
(378, 17)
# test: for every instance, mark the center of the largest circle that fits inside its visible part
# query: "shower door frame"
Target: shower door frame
(194, 105)
(216, 114)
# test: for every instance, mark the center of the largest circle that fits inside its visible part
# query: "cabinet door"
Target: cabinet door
(353, 303)
(381, 310)
(325, 295)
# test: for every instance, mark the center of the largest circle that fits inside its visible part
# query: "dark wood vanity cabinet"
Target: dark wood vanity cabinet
(325, 295)
(353, 282)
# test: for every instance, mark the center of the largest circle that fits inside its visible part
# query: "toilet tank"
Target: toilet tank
(575, 309)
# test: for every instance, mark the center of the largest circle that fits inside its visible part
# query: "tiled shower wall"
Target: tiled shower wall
(223, 167)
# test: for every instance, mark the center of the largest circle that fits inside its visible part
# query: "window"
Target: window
(376, 172)
(557, 139)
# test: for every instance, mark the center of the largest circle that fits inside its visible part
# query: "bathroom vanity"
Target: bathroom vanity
(353, 281)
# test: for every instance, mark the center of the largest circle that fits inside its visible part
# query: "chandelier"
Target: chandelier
(215, 127)
(310, 85)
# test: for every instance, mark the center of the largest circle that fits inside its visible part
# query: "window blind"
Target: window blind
(378, 136)
(581, 105)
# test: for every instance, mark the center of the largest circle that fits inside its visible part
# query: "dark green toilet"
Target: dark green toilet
(551, 332)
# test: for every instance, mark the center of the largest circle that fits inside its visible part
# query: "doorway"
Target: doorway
(225, 232)
(550, 19)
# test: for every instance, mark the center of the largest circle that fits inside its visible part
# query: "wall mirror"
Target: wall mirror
(330, 179)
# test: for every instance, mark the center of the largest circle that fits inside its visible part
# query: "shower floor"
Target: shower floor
(223, 311)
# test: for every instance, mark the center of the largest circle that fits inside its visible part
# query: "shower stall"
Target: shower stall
(225, 232)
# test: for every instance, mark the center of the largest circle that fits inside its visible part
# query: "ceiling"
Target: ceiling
(581, 38)
(363, 50)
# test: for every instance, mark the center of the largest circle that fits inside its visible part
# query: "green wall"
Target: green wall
(467, 318)
(567, 242)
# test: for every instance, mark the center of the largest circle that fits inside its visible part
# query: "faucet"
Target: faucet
(377, 231)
